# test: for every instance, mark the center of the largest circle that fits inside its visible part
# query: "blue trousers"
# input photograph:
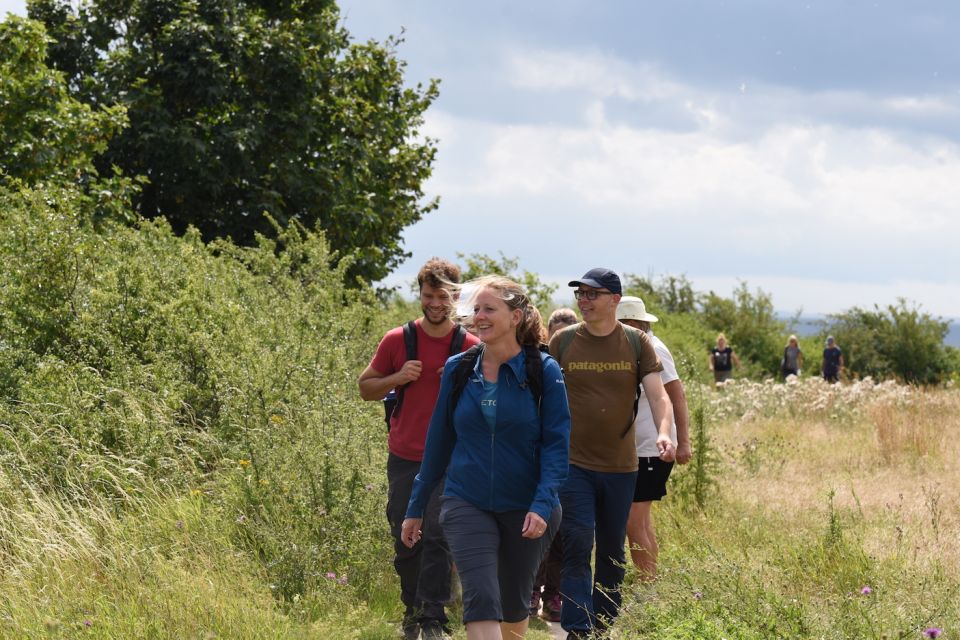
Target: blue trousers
(595, 506)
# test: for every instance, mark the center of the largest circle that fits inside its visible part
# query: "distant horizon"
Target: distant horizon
(832, 298)
(404, 282)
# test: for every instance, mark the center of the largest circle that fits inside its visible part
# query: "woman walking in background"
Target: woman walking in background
(792, 358)
(505, 452)
(722, 360)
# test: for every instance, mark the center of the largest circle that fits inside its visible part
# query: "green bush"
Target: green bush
(133, 358)
(898, 341)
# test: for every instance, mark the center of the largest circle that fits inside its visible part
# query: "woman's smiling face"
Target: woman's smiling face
(492, 318)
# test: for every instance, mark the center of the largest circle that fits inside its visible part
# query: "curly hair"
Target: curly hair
(438, 273)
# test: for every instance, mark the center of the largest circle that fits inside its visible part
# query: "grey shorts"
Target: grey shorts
(496, 564)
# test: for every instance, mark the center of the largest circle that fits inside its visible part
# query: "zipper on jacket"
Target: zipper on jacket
(493, 445)
(493, 466)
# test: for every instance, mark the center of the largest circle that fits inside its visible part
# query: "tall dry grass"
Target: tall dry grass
(821, 492)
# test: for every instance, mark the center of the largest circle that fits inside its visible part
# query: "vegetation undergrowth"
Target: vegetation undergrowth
(818, 528)
(183, 453)
(158, 391)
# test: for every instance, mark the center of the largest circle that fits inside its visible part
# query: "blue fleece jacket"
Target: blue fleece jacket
(519, 464)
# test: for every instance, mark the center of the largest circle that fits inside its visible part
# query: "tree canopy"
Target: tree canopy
(45, 134)
(239, 108)
(895, 341)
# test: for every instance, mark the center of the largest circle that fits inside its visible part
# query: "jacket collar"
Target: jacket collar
(517, 364)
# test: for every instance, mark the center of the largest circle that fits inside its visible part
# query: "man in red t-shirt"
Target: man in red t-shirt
(420, 379)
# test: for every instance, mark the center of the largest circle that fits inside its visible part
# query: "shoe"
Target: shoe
(411, 629)
(578, 635)
(535, 603)
(433, 631)
(551, 609)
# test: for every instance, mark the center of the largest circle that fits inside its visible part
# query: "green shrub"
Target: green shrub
(133, 357)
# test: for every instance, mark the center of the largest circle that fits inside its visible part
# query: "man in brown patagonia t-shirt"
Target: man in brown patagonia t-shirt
(602, 361)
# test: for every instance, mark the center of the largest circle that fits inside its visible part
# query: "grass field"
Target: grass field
(834, 515)
(827, 513)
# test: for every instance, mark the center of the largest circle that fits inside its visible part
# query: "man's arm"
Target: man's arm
(374, 385)
(678, 401)
(662, 413)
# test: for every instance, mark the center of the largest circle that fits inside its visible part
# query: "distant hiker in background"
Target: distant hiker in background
(548, 576)
(560, 318)
(654, 472)
(722, 360)
(409, 359)
(501, 432)
(832, 364)
(792, 359)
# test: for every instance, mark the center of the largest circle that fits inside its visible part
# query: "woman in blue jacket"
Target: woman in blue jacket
(505, 459)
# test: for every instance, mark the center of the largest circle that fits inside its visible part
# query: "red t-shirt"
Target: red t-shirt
(408, 430)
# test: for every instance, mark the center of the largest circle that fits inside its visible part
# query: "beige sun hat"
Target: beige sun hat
(632, 308)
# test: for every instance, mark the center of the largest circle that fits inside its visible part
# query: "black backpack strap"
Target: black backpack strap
(410, 339)
(410, 343)
(456, 342)
(462, 374)
(533, 365)
(633, 337)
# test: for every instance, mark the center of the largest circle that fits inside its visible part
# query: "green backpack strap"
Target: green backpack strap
(564, 338)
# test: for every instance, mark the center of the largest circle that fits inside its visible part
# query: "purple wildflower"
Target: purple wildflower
(343, 579)
(933, 632)
(697, 595)
(866, 590)
(88, 624)
(331, 575)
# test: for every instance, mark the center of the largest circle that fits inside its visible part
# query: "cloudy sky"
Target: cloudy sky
(811, 149)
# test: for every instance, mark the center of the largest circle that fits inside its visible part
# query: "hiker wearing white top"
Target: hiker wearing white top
(653, 471)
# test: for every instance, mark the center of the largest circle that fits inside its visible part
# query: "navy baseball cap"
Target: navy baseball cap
(599, 278)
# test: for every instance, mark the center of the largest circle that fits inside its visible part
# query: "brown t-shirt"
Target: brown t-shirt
(600, 373)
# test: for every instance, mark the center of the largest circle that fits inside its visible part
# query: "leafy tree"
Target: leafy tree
(680, 325)
(479, 264)
(671, 294)
(898, 340)
(750, 325)
(240, 107)
(45, 134)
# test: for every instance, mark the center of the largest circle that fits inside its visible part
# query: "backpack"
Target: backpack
(533, 366)
(394, 399)
(566, 336)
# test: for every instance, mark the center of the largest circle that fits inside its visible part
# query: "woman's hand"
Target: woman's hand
(533, 526)
(410, 531)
